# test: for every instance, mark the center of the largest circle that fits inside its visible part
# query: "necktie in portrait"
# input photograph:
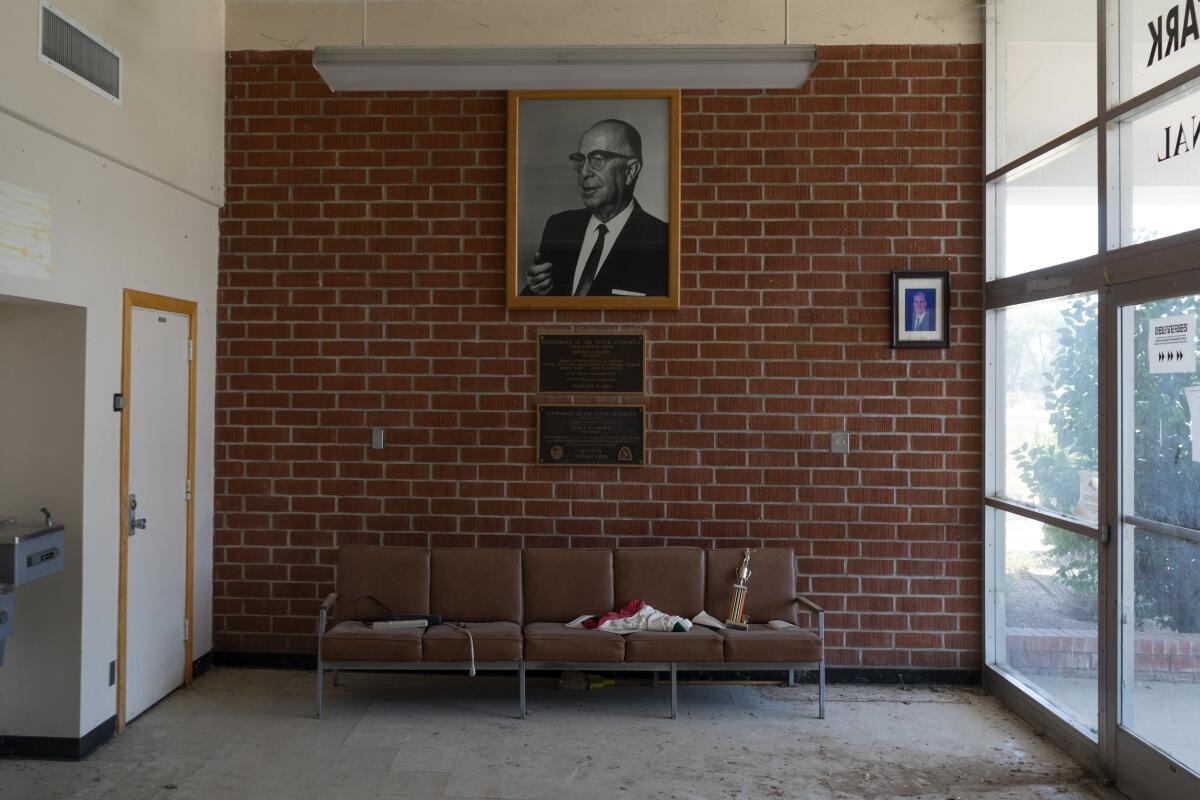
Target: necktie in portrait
(593, 262)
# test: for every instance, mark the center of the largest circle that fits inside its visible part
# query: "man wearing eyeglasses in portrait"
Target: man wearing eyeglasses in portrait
(611, 247)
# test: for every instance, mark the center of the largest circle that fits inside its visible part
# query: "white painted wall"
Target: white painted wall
(286, 25)
(173, 74)
(113, 228)
(134, 193)
(41, 463)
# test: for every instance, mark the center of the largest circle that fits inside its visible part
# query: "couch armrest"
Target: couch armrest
(813, 608)
(326, 608)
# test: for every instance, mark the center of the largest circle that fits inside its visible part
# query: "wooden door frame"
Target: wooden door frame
(153, 302)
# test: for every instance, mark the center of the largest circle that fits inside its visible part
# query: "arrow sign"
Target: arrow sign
(1172, 344)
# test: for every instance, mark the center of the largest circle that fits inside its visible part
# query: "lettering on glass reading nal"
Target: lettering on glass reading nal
(1180, 139)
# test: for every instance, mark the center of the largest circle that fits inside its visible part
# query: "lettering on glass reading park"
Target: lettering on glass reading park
(1170, 32)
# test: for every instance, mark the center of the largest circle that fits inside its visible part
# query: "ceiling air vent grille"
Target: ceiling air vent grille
(69, 48)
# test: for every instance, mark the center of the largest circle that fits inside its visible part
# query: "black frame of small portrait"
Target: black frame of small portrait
(666, 144)
(938, 282)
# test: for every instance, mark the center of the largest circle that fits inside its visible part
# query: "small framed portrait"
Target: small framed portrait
(920, 309)
(593, 199)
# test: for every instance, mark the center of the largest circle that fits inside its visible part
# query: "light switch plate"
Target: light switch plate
(839, 442)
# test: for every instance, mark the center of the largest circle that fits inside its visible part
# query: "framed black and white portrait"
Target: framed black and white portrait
(593, 199)
(920, 309)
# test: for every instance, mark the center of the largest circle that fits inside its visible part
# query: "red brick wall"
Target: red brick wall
(362, 284)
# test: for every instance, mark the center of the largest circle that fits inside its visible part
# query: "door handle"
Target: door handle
(135, 524)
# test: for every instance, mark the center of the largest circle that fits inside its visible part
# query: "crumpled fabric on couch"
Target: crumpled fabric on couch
(636, 615)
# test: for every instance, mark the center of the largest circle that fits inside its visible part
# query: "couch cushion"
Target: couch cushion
(698, 644)
(354, 641)
(481, 585)
(770, 591)
(553, 641)
(669, 578)
(761, 643)
(494, 641)
(397, 576)
(561, 585)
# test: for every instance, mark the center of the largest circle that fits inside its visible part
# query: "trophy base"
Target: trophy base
(737, 626)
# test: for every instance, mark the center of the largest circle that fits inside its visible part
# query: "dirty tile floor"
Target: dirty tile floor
(241, 734)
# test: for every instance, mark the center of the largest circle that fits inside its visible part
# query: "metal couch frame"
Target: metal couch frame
(520, 667)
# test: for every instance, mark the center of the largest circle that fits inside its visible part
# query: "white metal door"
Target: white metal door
(157, 552)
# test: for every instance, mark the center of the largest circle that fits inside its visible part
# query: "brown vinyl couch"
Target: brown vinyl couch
(515, 603)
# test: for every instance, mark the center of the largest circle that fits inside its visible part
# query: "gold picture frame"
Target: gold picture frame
(557, 195)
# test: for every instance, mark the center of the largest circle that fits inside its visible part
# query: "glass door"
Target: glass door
(1157, 736)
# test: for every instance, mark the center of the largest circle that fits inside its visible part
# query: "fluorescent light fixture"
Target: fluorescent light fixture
(637, 67)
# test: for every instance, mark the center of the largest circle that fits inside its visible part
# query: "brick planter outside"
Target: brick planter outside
(1160, 656)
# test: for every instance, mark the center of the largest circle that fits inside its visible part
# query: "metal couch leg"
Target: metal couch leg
(821, 667)
(821, 690)
(674, 696)
(320, 681)
(521, 683)
(791, 678)
(335, 677)
(322, 619)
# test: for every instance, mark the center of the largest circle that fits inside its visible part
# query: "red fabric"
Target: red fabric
(628, 610)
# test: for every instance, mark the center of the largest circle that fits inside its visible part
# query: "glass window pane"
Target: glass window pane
(1161, 588)
(1159, 40)
(1041, 47)
(1047, 212)
(1162, 702)
(1047, 375)
(1047, 607)
(1160, 160)
(1165, 464)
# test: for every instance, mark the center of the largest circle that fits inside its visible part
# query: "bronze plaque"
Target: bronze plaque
(592, 363)
(594, 435)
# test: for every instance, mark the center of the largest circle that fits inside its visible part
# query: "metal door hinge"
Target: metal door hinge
(186, 629)
(1103, 533)
(187, 490)
(189, 350)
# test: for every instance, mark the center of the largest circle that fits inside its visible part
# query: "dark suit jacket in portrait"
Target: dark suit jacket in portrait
(926, 324)
(639, 260)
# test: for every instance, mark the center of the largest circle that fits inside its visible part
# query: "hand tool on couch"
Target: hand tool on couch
(430, 619)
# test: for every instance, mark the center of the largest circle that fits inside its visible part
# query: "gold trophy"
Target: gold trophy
(737, 603)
